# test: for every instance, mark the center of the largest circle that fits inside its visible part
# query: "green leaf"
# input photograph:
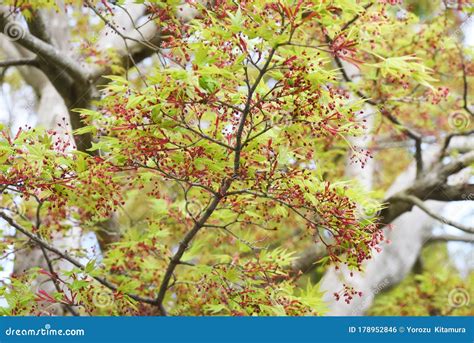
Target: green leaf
(134, 100)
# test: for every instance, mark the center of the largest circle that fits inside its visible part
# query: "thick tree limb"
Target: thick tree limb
(449, 138)
(71, 80)
(430, 186)
(38, 28)
(456, 165)
(46, 51)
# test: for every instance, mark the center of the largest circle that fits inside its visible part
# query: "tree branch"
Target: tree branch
(117, 31)
(409, 132)
(46, 51)
(70, 80)
(451, 238)
(420, 204)
(225, 185)
(456, 165)
(38, 28)
(432, 186)
(67, 257)
(353, 20)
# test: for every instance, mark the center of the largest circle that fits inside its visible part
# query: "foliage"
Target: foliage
(231, 143)
(438, 290)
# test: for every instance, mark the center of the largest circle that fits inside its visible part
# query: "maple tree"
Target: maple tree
(206, 172)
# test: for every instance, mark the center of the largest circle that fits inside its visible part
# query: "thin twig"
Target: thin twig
(421, 205)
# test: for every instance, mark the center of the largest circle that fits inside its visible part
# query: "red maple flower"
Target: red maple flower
(344, 48)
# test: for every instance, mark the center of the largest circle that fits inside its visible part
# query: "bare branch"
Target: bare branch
(132, 43)
(20, 62)
(246, 111)
(46, 51)
(449, 138)
(451, 238)
(117, 31)
(353, 20)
